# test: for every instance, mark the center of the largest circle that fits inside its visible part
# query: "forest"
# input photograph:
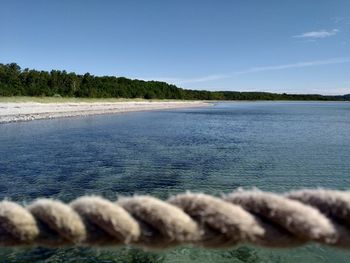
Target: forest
(15, 81)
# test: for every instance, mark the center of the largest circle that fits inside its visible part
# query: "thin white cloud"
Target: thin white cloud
(208, 78)
(318, 34)
(295, 65)
(203, 79)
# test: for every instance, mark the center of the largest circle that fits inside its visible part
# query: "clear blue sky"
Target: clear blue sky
(295, 46)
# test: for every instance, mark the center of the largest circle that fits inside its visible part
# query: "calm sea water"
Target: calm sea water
(275, 146)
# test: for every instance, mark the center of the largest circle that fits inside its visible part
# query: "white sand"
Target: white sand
(26, 111)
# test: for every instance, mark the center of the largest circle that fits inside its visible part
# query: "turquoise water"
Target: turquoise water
(275, 146)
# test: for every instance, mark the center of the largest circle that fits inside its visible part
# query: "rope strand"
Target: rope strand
(255, 217)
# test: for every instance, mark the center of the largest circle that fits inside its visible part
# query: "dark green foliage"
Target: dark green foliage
(17, 82)
(72, 255)
(243, 254)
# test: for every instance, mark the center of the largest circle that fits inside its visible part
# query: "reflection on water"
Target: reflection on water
(274, 146)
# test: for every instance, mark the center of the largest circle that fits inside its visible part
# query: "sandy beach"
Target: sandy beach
(27, 111)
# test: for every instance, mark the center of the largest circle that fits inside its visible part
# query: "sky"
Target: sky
(291, 46)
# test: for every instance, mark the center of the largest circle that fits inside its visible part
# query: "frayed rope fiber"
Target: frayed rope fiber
(255, 217)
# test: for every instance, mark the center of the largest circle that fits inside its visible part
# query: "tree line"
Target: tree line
(15, 81)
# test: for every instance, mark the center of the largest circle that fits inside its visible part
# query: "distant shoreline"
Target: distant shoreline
(60, 83)
(28, 111)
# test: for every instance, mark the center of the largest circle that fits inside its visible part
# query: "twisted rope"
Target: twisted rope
(254, 217)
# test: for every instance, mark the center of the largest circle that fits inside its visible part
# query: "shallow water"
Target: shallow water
(276, 146)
